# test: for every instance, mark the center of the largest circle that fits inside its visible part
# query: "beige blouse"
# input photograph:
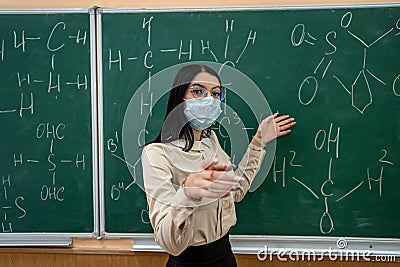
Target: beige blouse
(165, 167)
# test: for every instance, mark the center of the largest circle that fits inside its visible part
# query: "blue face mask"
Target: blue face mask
(202, 112)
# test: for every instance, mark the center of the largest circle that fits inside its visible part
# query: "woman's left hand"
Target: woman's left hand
(272, 127)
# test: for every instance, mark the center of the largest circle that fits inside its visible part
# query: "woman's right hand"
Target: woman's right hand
(215, 180)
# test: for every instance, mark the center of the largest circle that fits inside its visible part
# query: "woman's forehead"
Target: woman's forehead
(205, 78)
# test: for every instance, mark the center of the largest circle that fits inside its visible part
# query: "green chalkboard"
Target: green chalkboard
(46, 155)
(336, 70)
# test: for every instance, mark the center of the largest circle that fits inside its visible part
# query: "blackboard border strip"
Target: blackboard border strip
(29, 239)
(100, 121)
(288, 245)
(46, 11)
(247, 8)
(94, 108)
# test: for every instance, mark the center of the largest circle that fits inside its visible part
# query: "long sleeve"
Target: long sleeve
(248, 168)
(171, 212)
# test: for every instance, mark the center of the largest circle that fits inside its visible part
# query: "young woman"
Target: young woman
(191, 186)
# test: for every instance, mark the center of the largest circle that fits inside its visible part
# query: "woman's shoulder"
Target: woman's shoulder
(154, 154)
(213, 135)
(214, 138)
(153, 148)
(160, 149)
(153, 145)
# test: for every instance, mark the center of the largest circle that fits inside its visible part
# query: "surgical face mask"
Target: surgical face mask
(202, 112)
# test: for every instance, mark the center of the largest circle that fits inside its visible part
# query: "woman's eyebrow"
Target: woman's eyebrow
(217, 87)
(198, 84)
(201, 85)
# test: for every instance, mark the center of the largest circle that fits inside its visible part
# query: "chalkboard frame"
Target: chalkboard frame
(244, 244)
(65, 238)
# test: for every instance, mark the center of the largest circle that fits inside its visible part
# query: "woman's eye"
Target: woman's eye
(197, 92)
(216, 94)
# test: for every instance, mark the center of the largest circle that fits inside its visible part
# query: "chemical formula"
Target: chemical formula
(35, 91)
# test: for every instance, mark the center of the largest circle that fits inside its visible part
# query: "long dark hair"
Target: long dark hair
(175, 117)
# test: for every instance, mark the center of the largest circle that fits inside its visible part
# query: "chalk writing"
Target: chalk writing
(9, 202)
(360, 89)
(46, 113)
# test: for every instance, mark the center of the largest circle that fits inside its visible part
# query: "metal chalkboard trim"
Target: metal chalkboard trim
(245, 8)
(100, 122)
(94, 107)
(47, 11)
(291, 245)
